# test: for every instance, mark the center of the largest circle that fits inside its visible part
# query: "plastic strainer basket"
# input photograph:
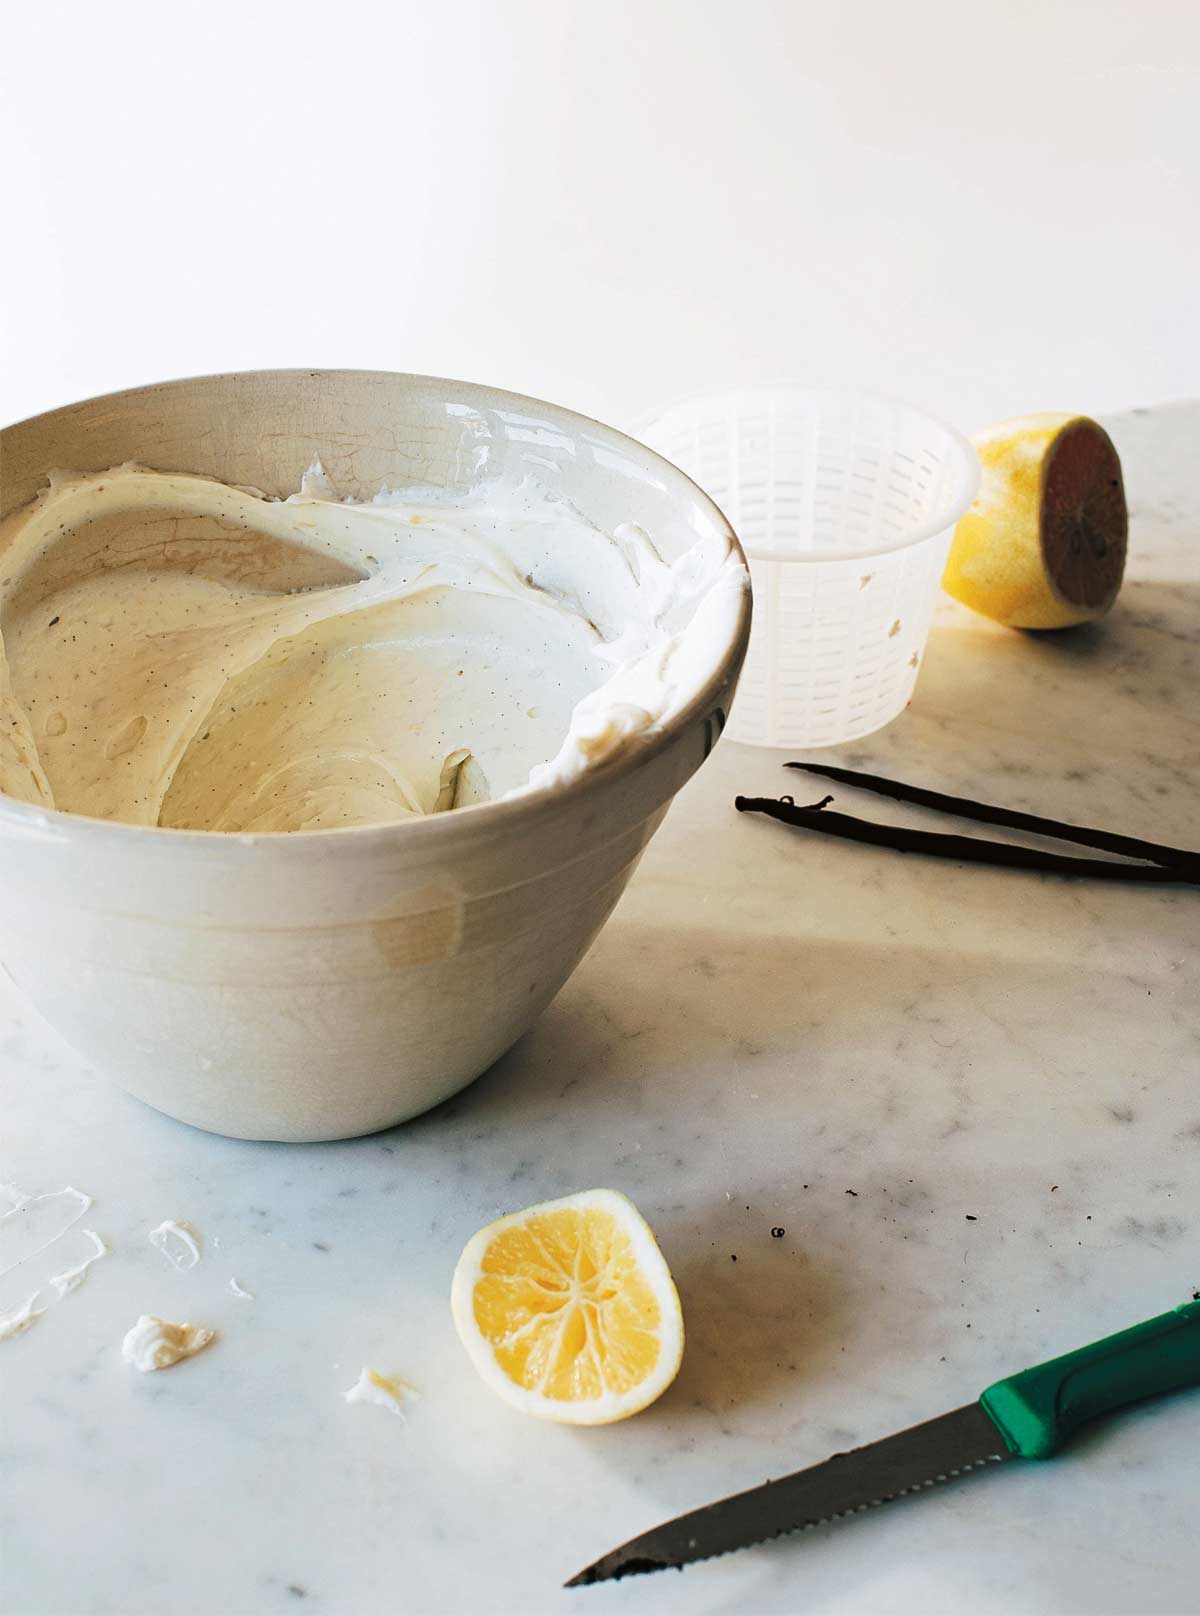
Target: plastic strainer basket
(845, 504)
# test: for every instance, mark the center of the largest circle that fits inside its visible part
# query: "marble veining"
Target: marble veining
(970, 1099)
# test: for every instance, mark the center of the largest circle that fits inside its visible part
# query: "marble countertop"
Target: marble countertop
(970, 1097)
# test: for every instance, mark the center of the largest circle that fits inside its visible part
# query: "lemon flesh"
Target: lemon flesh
(1043, 545)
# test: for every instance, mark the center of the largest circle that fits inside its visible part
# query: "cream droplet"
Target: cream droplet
(384, 1391)
(56, 724)
(156, 1343)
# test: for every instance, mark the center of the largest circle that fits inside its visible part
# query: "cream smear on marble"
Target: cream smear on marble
(155, 1343)
(34, 1227)
(381, 1391)
(182, 653)
(178, 1243)
(72, 1278)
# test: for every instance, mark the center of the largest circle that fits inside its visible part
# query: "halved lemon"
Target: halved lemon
(568, 1309)
(1043, 545)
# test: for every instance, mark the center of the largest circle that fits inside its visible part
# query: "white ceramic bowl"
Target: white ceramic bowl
(325, 984)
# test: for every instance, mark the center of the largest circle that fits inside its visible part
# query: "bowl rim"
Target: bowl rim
(945, 518)
(429, 830)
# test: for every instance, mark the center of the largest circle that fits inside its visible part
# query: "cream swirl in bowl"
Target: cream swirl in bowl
(181, 653)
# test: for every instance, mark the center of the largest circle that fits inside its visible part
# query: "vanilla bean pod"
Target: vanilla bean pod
(965, 849)
(1012, 818)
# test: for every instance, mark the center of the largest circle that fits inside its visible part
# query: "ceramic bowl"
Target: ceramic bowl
(326, 984)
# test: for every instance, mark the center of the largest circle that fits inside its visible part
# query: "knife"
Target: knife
(1027, 1416)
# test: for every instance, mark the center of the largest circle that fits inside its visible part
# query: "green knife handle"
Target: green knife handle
(1036, 1410)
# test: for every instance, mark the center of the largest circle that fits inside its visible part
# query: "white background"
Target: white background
(986, 207)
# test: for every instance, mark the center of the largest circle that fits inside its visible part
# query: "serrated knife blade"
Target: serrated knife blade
(937, 1450)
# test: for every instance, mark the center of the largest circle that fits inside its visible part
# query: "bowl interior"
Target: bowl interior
(369, 429)
(264, 428)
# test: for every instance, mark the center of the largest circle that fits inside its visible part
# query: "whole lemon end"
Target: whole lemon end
(1043, 546)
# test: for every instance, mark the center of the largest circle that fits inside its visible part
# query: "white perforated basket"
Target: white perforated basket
(845, 504)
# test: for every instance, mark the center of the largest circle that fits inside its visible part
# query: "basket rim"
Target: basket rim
(946, 516)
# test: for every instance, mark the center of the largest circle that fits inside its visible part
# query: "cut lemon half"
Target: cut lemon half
(568, 1309)
(1043, 545)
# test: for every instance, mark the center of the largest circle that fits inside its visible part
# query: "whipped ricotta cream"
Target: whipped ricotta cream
(181, 653)
(155, 1343)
